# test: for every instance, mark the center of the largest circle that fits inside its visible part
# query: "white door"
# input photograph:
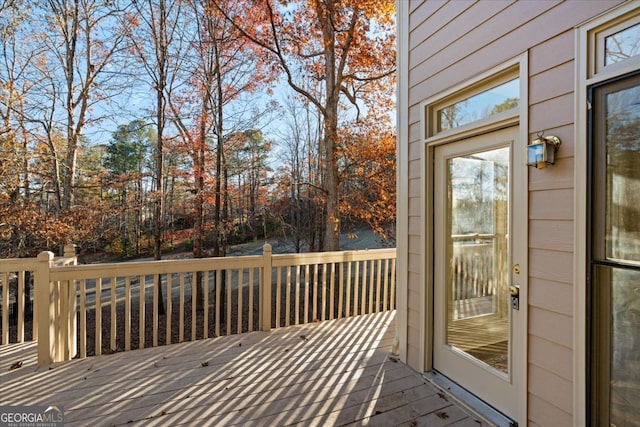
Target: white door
(476, 328)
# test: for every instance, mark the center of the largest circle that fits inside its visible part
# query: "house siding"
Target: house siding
(450, 42)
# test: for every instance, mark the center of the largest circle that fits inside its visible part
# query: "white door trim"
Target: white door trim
(426, 234)
(402, 184)
(586, 75)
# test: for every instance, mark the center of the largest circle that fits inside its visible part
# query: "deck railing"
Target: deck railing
(84, 310)
(17, 303)
(477, 286)
(473, 264)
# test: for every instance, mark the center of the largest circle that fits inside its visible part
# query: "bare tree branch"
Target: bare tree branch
(274, 50)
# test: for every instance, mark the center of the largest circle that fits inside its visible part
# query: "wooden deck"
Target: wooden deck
(336, 372)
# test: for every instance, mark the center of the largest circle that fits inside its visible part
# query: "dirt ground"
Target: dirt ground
(351, 241)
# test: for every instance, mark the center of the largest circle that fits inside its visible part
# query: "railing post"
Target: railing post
(46, 310)
(265, 289)
(71, 320)
(70, 252)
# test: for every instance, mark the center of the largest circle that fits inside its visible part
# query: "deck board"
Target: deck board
(337, 372)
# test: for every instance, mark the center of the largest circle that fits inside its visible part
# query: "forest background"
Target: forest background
(128, 127)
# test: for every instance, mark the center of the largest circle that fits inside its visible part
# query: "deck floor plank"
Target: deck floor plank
(337, 372)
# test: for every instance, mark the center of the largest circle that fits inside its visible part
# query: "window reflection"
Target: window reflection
(501, 98)
(478, 253)
(622, 45)
(623, 175)
(624, 351)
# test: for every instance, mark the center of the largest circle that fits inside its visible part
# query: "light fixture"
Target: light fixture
(542, 151)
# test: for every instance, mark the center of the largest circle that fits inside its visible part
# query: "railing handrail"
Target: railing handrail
(145, 268)
(64, 261)
(283, 260)
(456, 237)
(11, 265)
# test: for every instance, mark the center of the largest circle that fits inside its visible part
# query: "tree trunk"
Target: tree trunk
(199, 170)
(329, 161)
(332, 202)
(123, 207)
(161, 48)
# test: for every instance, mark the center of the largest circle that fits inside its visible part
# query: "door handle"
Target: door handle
(514, 290)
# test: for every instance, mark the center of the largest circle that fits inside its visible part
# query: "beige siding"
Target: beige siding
(554, 388)
(560, 177)
(544, 414)
(421, 10)
(562, 47)
(551, 357)
(551, 114)
(455, 41)
(414, 331)
(441, 16)
(551, 204)
(486, 46)
(552, 296)
(551, 235)
(554, 327)
(552, 83)
(551, 265)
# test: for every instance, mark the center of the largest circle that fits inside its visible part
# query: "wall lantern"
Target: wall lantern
(542, 151)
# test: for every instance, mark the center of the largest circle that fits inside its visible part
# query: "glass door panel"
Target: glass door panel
(615, 255)
(619, 349)
(622, 235)
(477, 248)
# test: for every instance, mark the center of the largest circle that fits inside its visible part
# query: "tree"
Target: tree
(217, 72)
(93, 216)
(6, 4)
(368, 174)
(347, 45)
(15, 60)
(125, 160)
(505, 105)
(300, 196)
(158, 46)
(82, 39)
(220, 71)
(156, 39)
(250, 167)
(75, 68)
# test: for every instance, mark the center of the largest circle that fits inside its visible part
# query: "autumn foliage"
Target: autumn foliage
(139, 127)
(338, 55)
(25, 229)
(368, 177)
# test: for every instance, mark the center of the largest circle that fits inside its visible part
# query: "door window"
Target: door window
(615, 252)
(478, 253)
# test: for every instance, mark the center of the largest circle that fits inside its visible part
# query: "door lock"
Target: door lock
(514, 290)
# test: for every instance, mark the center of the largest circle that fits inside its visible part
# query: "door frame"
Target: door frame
(600, 298)
(588, 74)
(517, 66)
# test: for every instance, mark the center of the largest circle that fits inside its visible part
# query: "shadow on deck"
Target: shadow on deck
(336, 372)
